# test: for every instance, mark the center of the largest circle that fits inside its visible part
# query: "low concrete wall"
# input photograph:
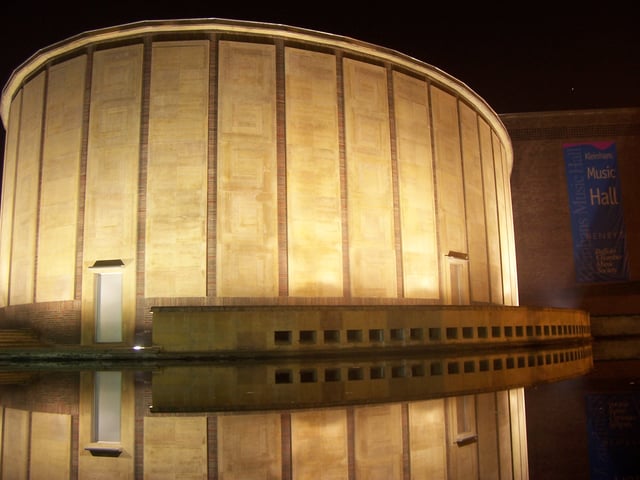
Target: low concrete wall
(318, 329)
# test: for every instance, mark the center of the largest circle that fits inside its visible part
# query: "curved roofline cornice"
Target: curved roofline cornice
(213, 25)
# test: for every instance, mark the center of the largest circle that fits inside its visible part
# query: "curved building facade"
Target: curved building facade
(212, 163)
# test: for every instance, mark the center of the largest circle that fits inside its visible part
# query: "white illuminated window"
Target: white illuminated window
(107, 403)
(458, 278)
(109, 306)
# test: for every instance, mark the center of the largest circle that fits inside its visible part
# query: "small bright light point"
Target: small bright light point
(138, 347)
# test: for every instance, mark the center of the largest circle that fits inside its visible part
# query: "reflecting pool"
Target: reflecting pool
(445, 415)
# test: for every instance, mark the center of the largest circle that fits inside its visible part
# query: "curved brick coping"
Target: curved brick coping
(309, 329)
(347, 381)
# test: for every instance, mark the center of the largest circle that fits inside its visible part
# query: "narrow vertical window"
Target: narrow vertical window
(465, 420)
(458, 273)
(108, 307)
(456, 283)
(107, 404)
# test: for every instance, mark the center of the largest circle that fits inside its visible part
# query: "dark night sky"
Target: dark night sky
(517, 60)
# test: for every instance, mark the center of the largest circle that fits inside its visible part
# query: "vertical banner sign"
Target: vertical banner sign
(599, 244)
(613, 429)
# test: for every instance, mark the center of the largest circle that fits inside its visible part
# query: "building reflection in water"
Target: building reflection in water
(392, 417)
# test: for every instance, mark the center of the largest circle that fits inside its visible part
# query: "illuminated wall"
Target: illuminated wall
(238, 163)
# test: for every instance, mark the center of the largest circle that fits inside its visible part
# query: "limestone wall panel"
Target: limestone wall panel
(50, 446)
(319, 444)
(57, 232)
(369, 184)
(313, 175)
(428, 442)
(474, 205)
(518, 434)
(247, 221)
(376, 455)
(488, 465)
(15, 442)
(504, 219)
(113, 154)
(23, 249)
(416, 188)
(512, 272)
(505, 453)
(175, 448)
(491, 213)
(176, 214)
(449, 180)
(8, 194)
(249, 446)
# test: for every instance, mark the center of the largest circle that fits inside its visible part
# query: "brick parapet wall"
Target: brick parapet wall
(55, 322)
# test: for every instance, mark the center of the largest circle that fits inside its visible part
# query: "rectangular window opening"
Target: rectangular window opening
(332, 336)
(108, 307)
(283, 376)
(354, 336)
(397, 334)
(282, 337)
(434, 334)
(376, 372)
(376, 335)
(307, 336)
(332, 375)
(107, 406)
(464, 410)
(416, 334)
